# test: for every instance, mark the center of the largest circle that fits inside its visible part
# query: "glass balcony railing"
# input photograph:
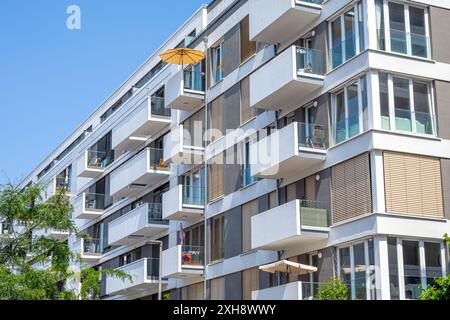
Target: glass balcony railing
(159, 107)
(193, 136)
(310, 61)
(155, 214)
(94, 201)
(414, 44)
(194, 80)
(92, 246)
(192, 256)
(62, 183)
(193, 195)
(312, 136)
(99, 159)
(247, 178)
(152, 268)
(417, 122)
(314, 213)
(157, 160)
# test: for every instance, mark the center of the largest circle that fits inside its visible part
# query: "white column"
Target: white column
(373, 100)
(378, 191)
(370, 28)
(382, 268)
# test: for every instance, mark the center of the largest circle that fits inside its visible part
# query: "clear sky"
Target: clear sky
(52, 78)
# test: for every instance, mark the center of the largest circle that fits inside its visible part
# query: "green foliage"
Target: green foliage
(334, 289)
(21, 249)
(447, 238)
(167, 296)
(440, 290)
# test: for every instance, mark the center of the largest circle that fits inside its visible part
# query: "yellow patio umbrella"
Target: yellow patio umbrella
(182, 56)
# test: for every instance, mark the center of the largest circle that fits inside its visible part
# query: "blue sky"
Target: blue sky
(52, 78)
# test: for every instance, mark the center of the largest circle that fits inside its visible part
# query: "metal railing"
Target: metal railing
(152, 268)
(92, 246)
(192, 256)
(155, 213)
(157, 159)
(312, 136)
(99, 159)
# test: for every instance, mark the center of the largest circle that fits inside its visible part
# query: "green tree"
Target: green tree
(22, 213)
(334, 289)
(440, 289)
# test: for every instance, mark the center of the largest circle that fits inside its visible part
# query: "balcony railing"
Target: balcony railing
(158, 107)
(404, 42)
(192, 256)
(193, 136)
(62, 183)
(157, 159)
(99, 159)
(94, 201)
(318, 2)
(314, 214)
(152, 268)
(410, 121)
(155, 214)
(193, 195)
(312, 136)
(310, 61)
(92, 246)
(194, 80)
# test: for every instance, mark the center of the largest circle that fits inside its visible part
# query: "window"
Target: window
(194, 130)
(116, 106)
(215, 178)
(350, 111)
(273, 200)
(413, 184)
(216, 119)
(194, 188)
(248, 211)
(402, 28)
(248, 48)
(217, 66)
(101, 154)
(347, 35)
(218, 288)
(357, 269)
(247, 178)
(64, 178)
(418, 262)
(406, 105)
(217, 237)
(247, 112)
(250, 282)
(194, 77)
(193, 236)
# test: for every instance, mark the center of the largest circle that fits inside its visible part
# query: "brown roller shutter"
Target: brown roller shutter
(413, 184)
(351, 189)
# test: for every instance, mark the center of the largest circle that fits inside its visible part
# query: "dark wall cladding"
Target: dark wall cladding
(231, 50)
(439, 27)
(233, 286)
(232, 107)
(233, 232)
(442, 95)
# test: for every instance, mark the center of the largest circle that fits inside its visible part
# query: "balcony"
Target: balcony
(292, 291)
(52, 233)
(185, 145)
(144, 169)
(144, 276)
(294, 73)
(90, 250)
(183, 262)
(93, 163)
(296, 223)
(136, 225)
(149, 118)
(185, 90)
(89, 206)
(58, 183)
(5, 230)
(183, 203)
(294, 148)
(281, 20)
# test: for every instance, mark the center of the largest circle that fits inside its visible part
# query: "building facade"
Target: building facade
(315, 132)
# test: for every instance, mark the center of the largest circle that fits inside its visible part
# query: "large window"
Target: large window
(347, 35)
(406, 104)
(402, 28)
(357, 269)
(350, 111)
(414, 264)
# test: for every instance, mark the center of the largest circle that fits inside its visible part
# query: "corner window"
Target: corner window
(406, 105)
(350, 111)
(402, 28)
(347, 35)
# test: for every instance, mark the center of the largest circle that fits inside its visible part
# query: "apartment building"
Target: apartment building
(314, 137)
